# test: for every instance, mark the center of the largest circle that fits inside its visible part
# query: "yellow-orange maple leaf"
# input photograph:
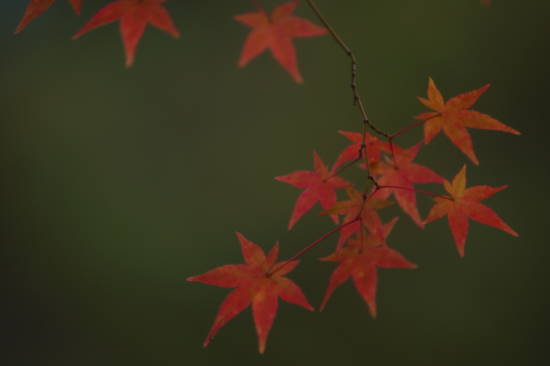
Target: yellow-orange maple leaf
(454, 116)
(465, 204)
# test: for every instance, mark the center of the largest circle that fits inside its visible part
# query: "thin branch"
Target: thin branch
(357, 98)
(406, 128)
(311, 246)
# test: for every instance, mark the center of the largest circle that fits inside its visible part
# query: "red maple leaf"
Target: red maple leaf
(37, 7)
(358, 206)
(318, 185)
(454, 116)
(465, 204)
(134, 15)
(403, 173)
(374, 148)
(255, 284)
(275, 32)
(360, 260)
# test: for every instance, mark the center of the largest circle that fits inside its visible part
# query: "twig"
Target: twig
(311, 246)
(357, 98)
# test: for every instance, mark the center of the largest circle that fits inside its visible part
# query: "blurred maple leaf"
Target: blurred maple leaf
(486, 3)
(465, 204)
(454, 116)
(37, 7)
(256, 284)
(134, 15)
(275, 32)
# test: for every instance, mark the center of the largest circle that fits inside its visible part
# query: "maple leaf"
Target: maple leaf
(37, 7)
(360, 260)
(358, 206)
(454, 116)
(374, 148)
(275, 32)
(254, 285)
(465, 204)
(403, 173)
(318, 185)
(134, 15)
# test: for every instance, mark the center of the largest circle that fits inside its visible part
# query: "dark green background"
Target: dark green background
(118, 184)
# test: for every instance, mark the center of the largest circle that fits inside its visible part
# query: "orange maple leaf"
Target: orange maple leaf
(465, 204)
(403, 173)
(318, 186)
(360, 260)
(37, 7)
(358, 206)
(454, 116)
(275, 33)
(134, 15)
(373, 148)
(256, 285)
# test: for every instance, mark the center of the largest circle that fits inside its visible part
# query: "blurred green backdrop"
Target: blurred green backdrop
(118, 184)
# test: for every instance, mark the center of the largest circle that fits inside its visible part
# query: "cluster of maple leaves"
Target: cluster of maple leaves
(362, 244)
(361, 247)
